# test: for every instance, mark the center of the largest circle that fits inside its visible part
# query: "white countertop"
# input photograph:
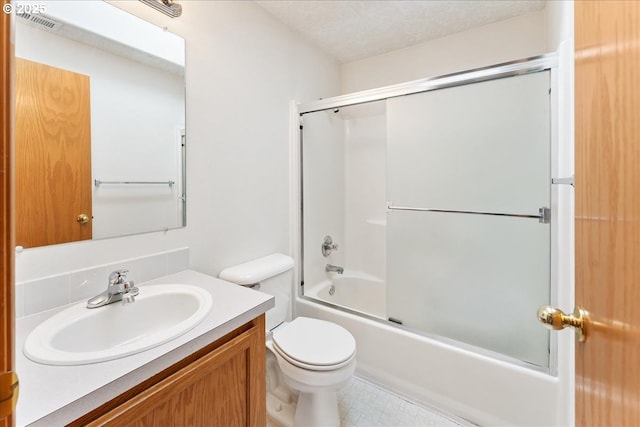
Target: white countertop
(56, 395)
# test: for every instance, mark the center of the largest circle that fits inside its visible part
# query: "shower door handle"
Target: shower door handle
(555, 319)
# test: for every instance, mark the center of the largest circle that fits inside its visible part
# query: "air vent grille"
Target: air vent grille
(39, 20)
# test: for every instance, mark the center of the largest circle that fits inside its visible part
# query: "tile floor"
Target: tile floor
(363, 404)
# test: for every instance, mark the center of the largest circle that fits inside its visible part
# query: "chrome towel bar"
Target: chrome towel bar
(98, 182)
(544, 214)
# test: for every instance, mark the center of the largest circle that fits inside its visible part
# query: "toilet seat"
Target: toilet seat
(314, 344)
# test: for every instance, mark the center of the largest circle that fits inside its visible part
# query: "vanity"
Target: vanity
(214, 374)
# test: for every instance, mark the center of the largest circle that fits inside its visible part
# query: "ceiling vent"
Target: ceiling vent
(40, 21)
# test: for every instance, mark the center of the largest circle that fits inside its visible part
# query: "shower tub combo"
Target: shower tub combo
(448, 225)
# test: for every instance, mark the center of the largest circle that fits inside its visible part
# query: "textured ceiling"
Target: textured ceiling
(352, 30)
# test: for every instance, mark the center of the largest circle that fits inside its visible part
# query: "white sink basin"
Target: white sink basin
(79, 335)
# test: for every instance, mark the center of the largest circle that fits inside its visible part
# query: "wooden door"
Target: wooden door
(6, 229)
(53, 155)
(607, 47)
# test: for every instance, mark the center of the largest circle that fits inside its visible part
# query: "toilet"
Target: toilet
(308, 360)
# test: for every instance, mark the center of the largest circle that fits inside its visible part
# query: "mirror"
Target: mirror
(100, 124)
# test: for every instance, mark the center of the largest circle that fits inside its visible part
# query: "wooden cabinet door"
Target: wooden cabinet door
(607, 73)
(225, 388)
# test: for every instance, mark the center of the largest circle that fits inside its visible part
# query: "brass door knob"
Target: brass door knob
(82, 218)
(555, 319)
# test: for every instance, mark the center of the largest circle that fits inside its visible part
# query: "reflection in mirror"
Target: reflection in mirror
(100, 124)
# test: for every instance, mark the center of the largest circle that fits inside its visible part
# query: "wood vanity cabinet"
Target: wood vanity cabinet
(221, 385)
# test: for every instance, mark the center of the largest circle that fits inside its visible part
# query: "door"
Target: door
(607, 73)
(53, 155)
(7, 381)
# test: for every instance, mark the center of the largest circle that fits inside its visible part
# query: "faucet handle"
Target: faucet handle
(128, 298)
(117, 277)
(328, 246)
(129, 292)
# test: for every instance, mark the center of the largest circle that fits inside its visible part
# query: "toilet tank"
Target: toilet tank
(273, 273)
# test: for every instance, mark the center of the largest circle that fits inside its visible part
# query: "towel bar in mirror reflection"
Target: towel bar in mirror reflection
(98, 182)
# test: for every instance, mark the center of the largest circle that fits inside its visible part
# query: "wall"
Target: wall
(502, 41)
(243, 68)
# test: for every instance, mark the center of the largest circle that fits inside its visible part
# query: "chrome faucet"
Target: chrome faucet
(117, 290)
(328, 246)
(335, 268)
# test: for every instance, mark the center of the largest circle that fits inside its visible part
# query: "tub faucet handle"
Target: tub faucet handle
(328, 246)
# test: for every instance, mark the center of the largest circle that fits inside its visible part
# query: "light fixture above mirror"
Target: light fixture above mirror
(168, 7)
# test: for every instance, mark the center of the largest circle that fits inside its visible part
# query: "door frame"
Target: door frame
(6, 205)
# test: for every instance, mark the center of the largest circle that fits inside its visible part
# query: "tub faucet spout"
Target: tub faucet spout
(335, 268)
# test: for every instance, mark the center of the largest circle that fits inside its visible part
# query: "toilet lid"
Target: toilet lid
(315, 343)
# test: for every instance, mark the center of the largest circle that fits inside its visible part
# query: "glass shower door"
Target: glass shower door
(468, 173)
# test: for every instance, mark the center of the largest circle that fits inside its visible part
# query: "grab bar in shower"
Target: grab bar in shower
(544, 214)
(98, 182)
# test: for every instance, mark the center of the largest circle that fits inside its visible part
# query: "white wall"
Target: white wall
(243, 68)
(502, 41)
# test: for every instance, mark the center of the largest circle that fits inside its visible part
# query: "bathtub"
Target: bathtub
(457, 381)
(354, 290)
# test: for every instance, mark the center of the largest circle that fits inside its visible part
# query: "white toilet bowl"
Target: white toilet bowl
(316, 359)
